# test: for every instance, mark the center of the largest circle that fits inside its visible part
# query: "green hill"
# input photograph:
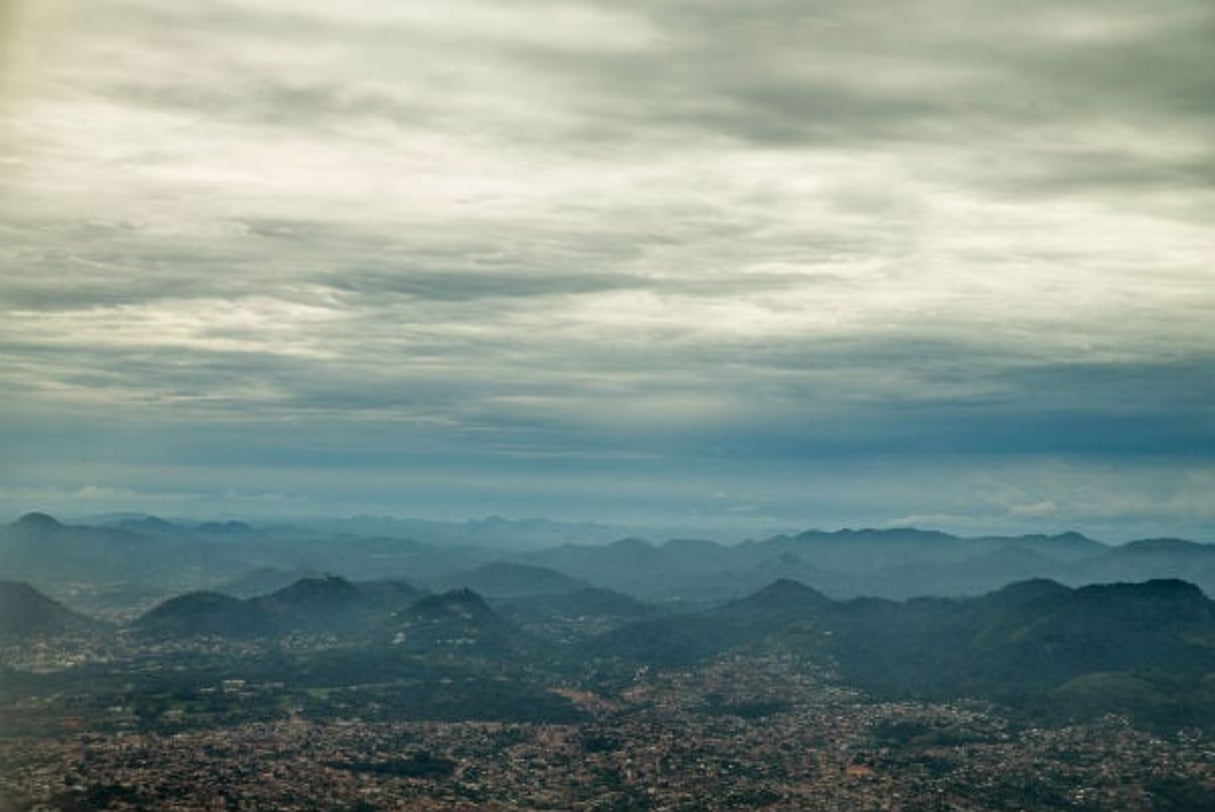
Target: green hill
(26, 613)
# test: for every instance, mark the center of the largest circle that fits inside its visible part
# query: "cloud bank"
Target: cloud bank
(590, 258)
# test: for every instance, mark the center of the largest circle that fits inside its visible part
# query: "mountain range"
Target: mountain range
(1146, 649)
(147, 553)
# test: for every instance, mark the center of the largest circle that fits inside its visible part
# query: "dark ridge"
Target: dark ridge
(42, 522)
(1072, 537)
(204, 614)
(780, 597)
(25, 612)
(891, 534)
(262, 581)
(1167, 545)
(1157, 590)
(315, 593)
(461, 601)
(1025, 592)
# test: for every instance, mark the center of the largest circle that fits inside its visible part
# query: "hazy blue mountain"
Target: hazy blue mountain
(895, 563)
(1063, 547)
(494, 532)
(641, 569)
(899, 562)
(38, 547)
(508, 579)
(1150, 558)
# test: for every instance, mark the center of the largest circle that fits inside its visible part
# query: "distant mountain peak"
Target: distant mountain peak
(153, 523)
(783, 594)
(1172, 590)
(1167, 545)
(462, 601)
(1070, 536)
(25, 612)
(38, 521)
(891, 534)
(203, 613)
(326, 589)
(1023, 592)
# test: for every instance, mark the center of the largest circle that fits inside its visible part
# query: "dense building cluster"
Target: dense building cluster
(741, 732)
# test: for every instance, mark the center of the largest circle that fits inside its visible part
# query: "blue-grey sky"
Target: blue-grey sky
(782, 262)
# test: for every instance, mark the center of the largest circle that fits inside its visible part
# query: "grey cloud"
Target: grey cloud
(461, 285)
(781, 232)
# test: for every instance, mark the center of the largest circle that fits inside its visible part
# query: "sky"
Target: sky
(777, 263)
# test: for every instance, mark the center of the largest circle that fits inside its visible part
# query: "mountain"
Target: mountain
(508, 579)
(37, 523)
(209, 614)
(26, 613)
(326, 603)
(1036, 644)
(1061, 547)
(1150, 558)
(895, 563)
(492, 532)
(39, 547)
(315, 605)
(263, 581)
(460, 621)
(357, 614)
(782, 599)
(778, 614)
(461, 603)
(571, 617)
(1044, 649)
(640, 569)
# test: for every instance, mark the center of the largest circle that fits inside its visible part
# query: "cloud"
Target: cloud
(687, 232)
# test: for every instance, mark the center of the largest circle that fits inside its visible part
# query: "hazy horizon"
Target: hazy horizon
(726, 532)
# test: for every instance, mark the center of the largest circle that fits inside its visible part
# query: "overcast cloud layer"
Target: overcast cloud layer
(947, 263)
